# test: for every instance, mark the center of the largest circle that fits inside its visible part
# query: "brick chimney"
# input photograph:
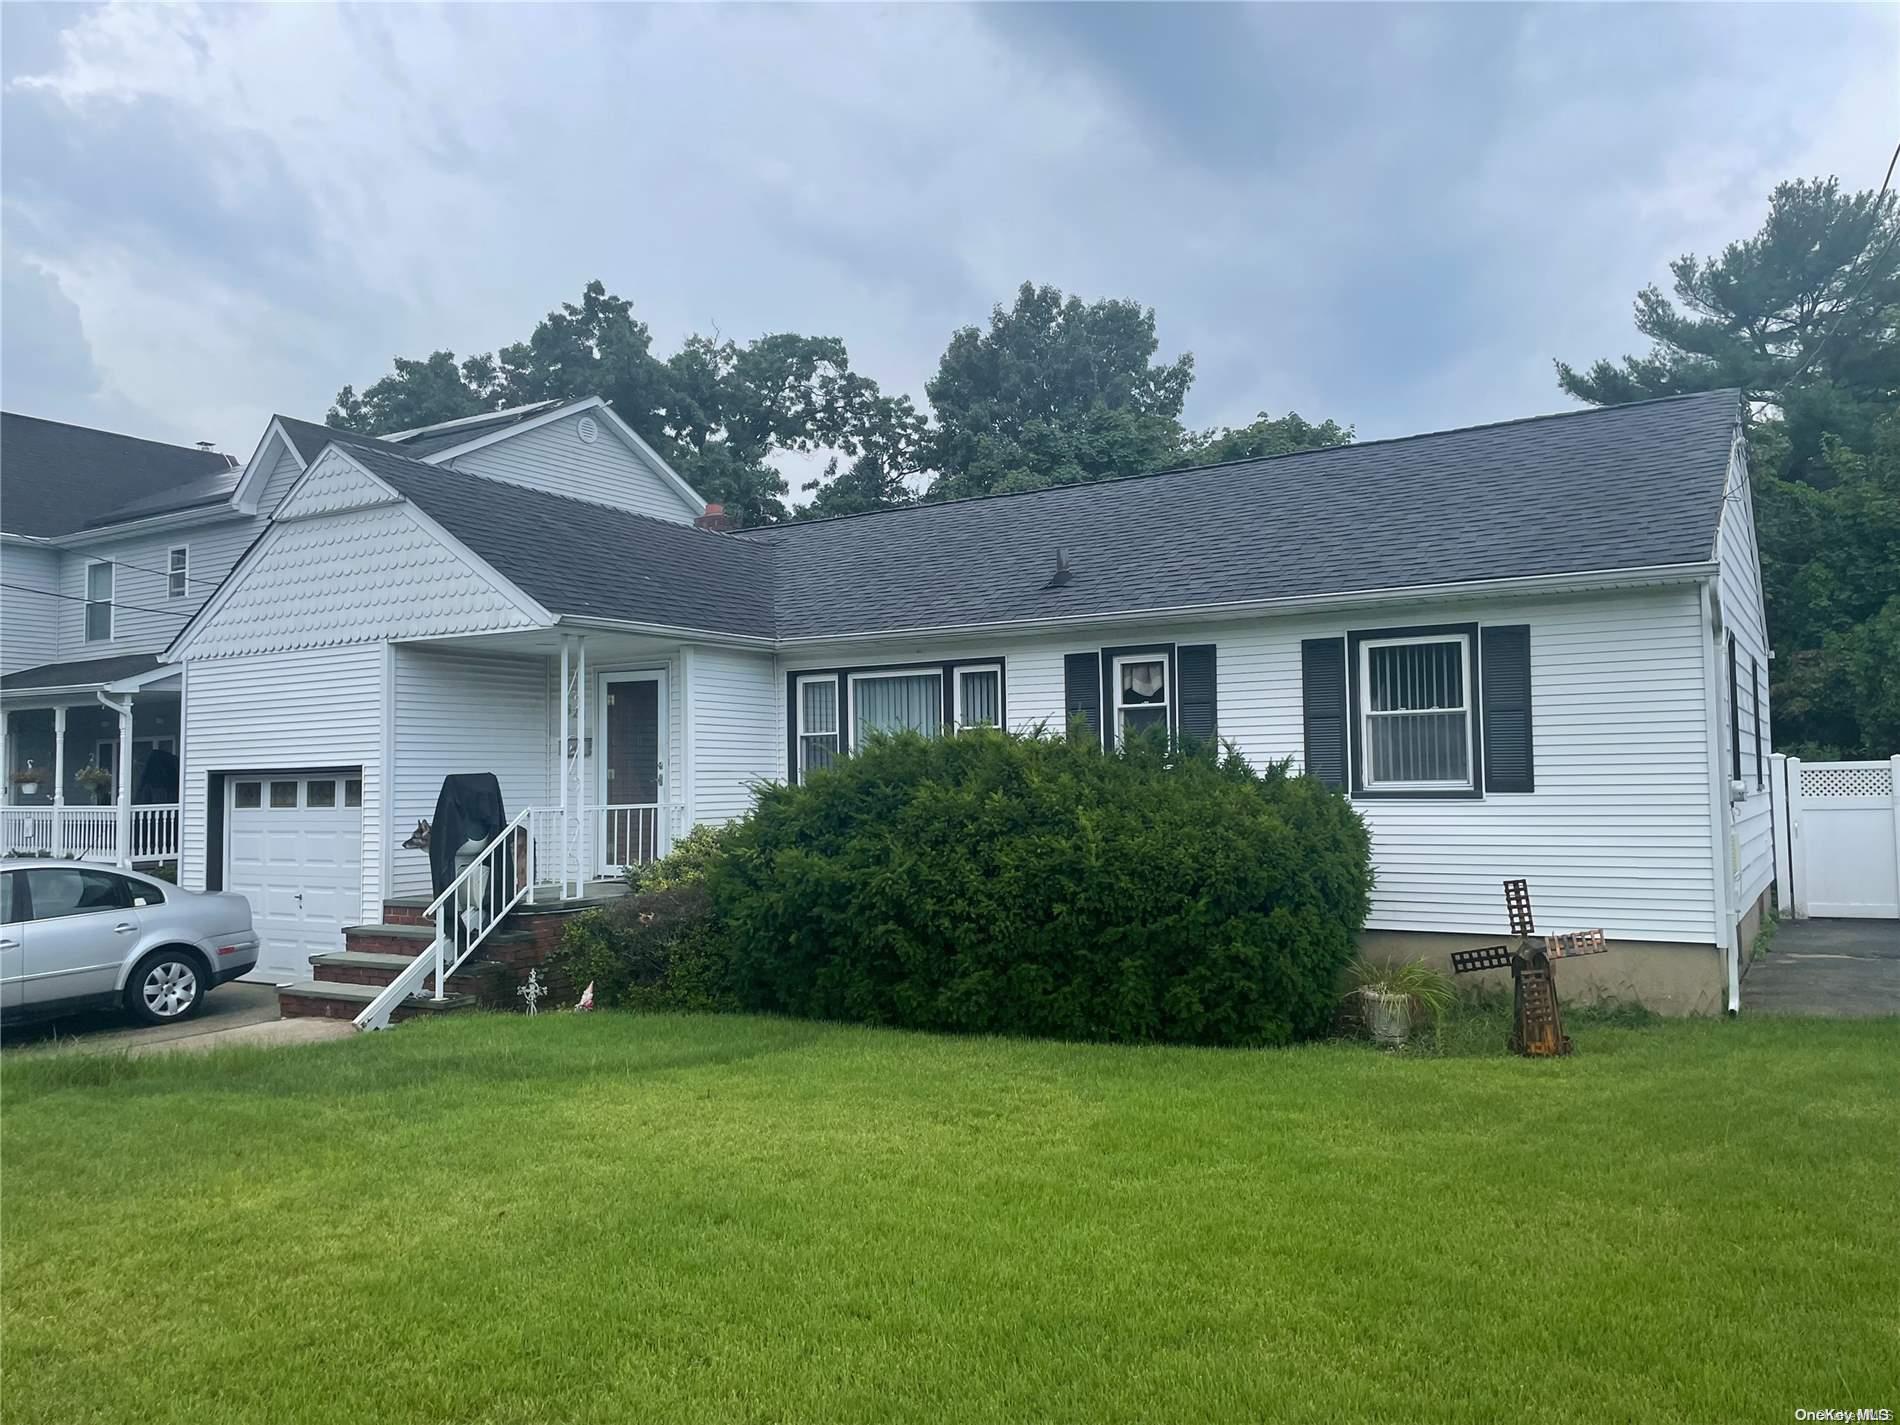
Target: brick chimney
(714, 518)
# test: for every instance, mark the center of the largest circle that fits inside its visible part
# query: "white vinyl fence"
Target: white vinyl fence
(1837, 850)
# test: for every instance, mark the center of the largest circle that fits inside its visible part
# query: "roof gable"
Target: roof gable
(59, 479)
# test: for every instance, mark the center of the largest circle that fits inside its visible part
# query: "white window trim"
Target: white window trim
(1366, 715)
(956, 690)
(181, 576)
(1167, 689)
(110, 601)
(849, 737)
(838, 716)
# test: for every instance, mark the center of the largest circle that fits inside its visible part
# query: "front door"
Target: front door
(633, 769)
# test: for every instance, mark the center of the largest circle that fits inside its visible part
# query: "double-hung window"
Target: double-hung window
(895, 702)
(178, 572)
(98, 602)
(817, 700)
(1142, 694)
(979, 697)
(1415, 702)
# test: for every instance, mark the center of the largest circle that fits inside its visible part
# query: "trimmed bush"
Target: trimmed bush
(1005, 884)
(684, 865)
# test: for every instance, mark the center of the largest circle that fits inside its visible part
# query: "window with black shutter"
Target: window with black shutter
(1734, 715)
(1082, 691)
(1324, 708)
(1754, 680)
(1198, 718)
(1505, 671)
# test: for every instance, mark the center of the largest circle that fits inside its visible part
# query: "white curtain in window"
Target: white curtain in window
(910, 702)
(1144, 682)
(982, 695)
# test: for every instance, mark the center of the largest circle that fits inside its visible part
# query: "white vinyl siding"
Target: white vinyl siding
(145, 617)
(1751, 828)
(1616, 833)
(321, 708)
(278, 482)
(553, 457)
(464, 712)
(359, 574)
(29, 612)
(738, 731)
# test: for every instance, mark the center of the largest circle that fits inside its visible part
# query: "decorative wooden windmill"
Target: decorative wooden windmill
(1538, 1026)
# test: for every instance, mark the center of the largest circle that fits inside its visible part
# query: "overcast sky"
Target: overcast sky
(1393, 216)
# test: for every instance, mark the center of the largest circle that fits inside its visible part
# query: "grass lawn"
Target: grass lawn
(622, 1218)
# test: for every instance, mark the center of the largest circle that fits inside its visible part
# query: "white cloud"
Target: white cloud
(1408, 215)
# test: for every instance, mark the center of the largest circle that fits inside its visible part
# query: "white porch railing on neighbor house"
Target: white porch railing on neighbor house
(90, 833)
(466, 914)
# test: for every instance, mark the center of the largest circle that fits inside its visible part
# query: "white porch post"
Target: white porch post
(582, 867)
(6, 760)
(123, 780)
(562, 749)
(59, 780)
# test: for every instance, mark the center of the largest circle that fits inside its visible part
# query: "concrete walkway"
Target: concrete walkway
(236, 1013)
(1840, 969)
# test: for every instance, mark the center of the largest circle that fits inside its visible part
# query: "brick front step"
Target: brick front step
(397, 939)
(406, 910)
(312, 999)
(358, 967)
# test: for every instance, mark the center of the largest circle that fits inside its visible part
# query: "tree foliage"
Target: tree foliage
(1266, 436)
(1803, 317)
(717, 409)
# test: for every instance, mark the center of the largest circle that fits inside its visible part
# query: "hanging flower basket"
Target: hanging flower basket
(27, 780)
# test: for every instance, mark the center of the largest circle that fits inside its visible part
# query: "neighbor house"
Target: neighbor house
(1529, 649)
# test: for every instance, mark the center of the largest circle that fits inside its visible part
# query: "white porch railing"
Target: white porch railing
(602, 841)
(466, 914)
(90, 833)
(627, 835)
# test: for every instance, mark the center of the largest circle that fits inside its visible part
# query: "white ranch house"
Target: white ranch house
(1529, 649)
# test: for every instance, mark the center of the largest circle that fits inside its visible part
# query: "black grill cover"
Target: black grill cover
(468, 809)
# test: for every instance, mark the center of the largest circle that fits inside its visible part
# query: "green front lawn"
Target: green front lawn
(665, 1219)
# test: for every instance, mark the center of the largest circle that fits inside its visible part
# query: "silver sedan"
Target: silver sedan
(74, 936)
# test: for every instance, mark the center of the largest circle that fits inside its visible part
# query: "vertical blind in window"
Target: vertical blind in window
(906, 702)
(1417, 720)
(979, 697)
(817, 724)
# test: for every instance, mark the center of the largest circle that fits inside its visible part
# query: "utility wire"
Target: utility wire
(161, 573)
(80, 599)
(1873, 267)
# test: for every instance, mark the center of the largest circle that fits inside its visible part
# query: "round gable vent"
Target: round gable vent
(587, 430)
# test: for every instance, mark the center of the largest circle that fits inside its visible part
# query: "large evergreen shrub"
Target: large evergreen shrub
(1033, 885)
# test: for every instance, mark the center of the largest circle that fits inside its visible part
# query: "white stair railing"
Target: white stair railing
(464, 915)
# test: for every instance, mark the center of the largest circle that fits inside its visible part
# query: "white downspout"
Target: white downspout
(122, 779)
(1727, 923)
(566, 775)
(59, 780)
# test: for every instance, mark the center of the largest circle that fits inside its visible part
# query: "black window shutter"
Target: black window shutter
(1504, 671)
(1754, 679)
(1734, 715)
(1082, 690)
(1198, 717)
(1323, 694)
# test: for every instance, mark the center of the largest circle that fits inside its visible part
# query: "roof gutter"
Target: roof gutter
(761, 642)
(1539, 584)
(194, 514)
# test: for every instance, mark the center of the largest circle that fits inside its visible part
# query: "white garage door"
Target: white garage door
(294, 847)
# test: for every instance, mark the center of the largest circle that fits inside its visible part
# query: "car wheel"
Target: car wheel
(165, 988)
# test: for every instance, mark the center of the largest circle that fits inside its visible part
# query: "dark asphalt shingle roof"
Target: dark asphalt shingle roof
(1613, 488)
(592, 561)
(1625, 487)
(79, 672)
(310, 438)
(57, 478)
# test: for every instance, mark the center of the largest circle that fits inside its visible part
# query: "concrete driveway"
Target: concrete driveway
(1841, 969)
(236, 1013)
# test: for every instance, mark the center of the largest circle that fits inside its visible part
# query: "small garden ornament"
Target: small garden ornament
(586, 1000)
(1537, 1023)
(533, 992)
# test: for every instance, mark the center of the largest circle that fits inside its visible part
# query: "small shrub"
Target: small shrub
(996, 883)
(1430, 990)
(658, 949)
(684, 865)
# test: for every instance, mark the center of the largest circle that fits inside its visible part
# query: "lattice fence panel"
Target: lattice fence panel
(1846, 780)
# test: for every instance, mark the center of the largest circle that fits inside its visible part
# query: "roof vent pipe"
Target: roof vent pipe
(1063, 572)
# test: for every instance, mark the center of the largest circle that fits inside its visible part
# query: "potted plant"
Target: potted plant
(97, 780)
(1392, 996)
(27, 780)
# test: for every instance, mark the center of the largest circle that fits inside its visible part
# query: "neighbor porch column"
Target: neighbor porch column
(59, 780)
(123, 778)
(6, 761)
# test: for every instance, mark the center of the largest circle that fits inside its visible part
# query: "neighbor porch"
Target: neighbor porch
(90, 753)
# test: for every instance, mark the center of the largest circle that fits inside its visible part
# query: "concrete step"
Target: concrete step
(316, 999)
